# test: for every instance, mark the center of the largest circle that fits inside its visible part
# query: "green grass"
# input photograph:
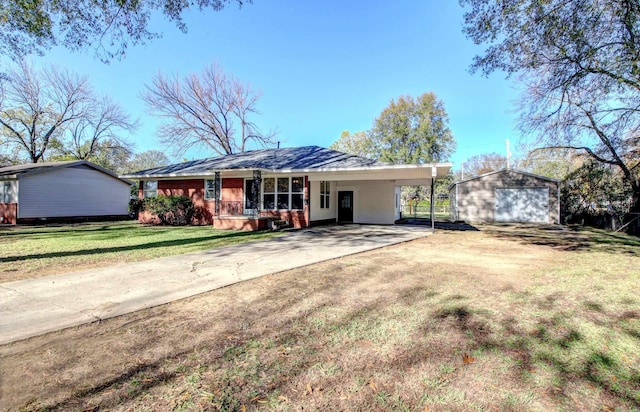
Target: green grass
(36, 250)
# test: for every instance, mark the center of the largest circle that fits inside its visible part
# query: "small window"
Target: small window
(210, 189)
(5, 192)
(150, 188)
(325, 195)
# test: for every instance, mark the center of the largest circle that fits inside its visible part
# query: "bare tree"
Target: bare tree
(100, 129)
(210, 109)
(40, 107)
(579, 60)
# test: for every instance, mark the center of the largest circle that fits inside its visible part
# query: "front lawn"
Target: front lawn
(30, 251)
(500, 319)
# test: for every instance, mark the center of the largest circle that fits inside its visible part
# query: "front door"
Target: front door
(345, 206)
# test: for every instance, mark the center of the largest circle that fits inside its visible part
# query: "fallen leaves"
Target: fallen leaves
(467, 359)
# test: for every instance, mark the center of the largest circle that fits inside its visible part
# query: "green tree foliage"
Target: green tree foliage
(580, 64)
(594, 194)
(483, 163)
(556, 163)
(107, 26)
(359, 144)
(147, 160)
(413, 130)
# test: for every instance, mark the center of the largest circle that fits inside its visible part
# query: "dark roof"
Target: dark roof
(34, 168)
(294, 158)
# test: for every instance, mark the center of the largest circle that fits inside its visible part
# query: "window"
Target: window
(269, 197)
(149, 188)
(325, 195)
(210, 190)
(5, 192)
(283, 193)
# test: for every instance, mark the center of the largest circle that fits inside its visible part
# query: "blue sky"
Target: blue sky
(322, 67)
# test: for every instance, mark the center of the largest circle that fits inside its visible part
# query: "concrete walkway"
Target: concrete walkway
(36, 306)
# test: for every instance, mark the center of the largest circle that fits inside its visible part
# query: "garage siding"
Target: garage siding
(72, 192)
(475, 199)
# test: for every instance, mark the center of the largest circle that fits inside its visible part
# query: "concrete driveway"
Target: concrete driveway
(35, 306)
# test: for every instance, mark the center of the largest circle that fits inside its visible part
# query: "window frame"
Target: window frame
(206, 190)
(276, 193)
(325, 194)
(5, 191)
(146, 192)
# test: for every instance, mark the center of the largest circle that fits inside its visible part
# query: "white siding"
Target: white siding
(72, 192)
(322, 214)
(374, 201)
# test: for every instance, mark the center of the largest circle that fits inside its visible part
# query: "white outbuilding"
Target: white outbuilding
(60, 191)
(506, 196)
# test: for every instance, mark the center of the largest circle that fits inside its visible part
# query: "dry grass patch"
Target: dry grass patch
(488, 320)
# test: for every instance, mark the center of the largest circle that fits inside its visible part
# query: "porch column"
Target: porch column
(217, 188)
(434, 174)
(256, 195)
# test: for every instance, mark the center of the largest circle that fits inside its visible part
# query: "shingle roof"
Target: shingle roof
(503, 171)
(33, 168)
(295, 158)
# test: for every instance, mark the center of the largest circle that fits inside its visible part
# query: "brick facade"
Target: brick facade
(8, 213)
(232, 191)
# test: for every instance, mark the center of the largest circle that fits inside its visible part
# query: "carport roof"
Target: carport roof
(306, 159)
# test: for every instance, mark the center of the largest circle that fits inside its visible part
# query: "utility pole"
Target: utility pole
(508, 155)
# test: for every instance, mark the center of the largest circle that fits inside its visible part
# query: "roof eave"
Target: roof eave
(289, 171)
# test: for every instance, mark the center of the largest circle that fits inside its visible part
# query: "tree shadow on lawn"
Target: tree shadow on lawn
(260, 344)
(52, 230)
(569, 238)
(129, 248)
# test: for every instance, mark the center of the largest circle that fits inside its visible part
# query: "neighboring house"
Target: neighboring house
(506, 196)
(298, 187)
(61, 191)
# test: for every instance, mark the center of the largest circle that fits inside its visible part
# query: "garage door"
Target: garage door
(530, 205)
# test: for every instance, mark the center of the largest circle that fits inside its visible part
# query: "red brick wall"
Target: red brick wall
(233, 190)
(9, 213)
(194, 189)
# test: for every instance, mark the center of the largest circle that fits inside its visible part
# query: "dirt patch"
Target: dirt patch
(491, 319)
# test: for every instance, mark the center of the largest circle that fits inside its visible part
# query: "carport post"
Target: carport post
(433, 224)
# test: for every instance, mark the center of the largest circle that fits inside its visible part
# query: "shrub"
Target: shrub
(171, 210)
(135, 206)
